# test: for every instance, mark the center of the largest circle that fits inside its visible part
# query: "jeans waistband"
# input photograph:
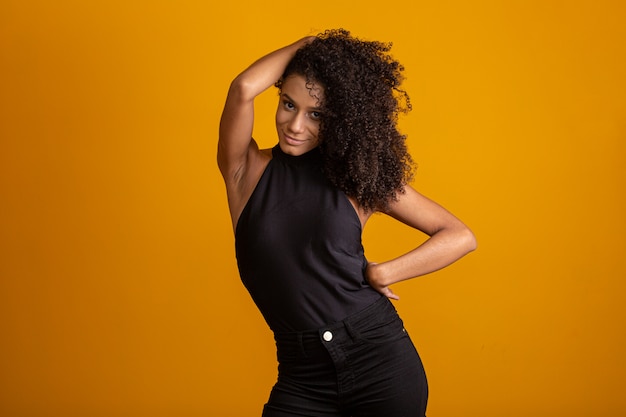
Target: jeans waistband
(351, 324)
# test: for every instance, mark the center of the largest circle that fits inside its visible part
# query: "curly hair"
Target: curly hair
(364, 154)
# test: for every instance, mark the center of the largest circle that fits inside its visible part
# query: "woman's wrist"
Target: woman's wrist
(376, 274)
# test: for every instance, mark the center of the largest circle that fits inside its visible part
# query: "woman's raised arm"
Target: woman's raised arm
(235, 135)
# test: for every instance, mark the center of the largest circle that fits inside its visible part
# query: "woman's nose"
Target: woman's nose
(296, 124)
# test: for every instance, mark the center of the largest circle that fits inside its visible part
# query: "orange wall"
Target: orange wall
(119, 294)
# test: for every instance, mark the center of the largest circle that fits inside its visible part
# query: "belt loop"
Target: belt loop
(351, 331)
(301, 345)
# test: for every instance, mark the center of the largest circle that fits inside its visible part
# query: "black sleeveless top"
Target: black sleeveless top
(298, 246)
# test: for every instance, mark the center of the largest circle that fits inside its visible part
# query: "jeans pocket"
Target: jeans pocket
(383, 331)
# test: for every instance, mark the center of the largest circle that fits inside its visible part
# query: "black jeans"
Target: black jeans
(363, 366)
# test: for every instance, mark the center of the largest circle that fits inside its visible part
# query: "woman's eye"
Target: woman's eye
(315, 115)
(288, 105)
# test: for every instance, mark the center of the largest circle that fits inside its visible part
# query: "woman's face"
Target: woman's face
(298, 115)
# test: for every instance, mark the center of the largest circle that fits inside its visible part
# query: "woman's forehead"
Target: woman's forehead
(298, 87)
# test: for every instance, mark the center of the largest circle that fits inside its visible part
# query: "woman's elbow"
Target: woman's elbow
(242, 89)
(468, 239)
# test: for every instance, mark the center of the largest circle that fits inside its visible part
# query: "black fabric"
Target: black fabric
(363, 366)
(298, 246)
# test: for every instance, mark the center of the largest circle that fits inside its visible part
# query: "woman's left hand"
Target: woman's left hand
(375, 281)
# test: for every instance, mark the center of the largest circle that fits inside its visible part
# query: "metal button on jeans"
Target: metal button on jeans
(328, 336)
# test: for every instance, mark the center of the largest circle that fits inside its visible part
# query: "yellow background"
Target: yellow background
(119, 294)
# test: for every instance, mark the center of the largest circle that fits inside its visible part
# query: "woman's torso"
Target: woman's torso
(298, 244)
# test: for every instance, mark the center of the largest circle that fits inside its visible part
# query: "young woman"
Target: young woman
(298, 211)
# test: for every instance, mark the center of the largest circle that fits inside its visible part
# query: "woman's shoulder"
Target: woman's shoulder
(240, 190)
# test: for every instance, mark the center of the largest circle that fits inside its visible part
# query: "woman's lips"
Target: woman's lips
(293, 141)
